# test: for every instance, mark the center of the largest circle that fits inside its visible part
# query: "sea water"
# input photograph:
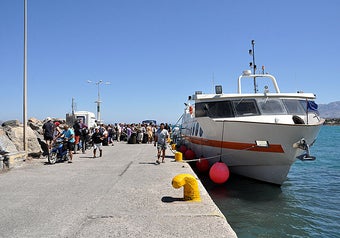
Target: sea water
(306, 205)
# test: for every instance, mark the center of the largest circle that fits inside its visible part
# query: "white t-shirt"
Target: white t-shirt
(162, 135)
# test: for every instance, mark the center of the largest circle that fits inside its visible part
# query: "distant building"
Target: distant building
(88, 118)
(153, 122)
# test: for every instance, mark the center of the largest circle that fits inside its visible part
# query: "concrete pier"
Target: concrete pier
(122, 194)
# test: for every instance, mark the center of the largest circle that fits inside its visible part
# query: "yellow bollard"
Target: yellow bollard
(190, 184)
(178, 156)
(173, 146)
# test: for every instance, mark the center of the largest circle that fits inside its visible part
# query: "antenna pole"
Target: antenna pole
(254, 65)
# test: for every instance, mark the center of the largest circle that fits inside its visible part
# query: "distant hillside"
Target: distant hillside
(330, 110)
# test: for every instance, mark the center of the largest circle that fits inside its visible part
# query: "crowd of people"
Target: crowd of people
(79, 136)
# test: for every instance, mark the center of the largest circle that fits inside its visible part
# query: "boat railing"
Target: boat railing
(246, 74)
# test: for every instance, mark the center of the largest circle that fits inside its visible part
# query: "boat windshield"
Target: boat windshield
(252, 107)
(271, 106)
(294, 106)
(229, 108)
(246, 107)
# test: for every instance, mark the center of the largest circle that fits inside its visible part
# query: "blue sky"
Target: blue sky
(156, 53)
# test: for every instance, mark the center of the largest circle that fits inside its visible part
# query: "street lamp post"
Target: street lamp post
(98, 99)
(25, 82)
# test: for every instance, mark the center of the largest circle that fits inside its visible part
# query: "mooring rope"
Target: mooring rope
(215, 156)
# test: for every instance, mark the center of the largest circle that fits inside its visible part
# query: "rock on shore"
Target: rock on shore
(11, 137)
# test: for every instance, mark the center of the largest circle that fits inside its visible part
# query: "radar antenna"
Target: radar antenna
(252, 64)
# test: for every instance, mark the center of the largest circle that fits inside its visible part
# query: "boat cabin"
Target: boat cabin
(269, 107)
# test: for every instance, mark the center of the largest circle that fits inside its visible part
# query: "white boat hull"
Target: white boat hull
(234, 142)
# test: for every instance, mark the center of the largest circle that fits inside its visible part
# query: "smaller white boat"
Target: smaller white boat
(258, 135)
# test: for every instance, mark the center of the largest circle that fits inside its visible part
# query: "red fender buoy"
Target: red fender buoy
(202, 165)
(219, 173)
(182, 149)
(189, 154)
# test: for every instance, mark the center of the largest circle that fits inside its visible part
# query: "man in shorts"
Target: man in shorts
(161, 137)
(48, 130)
(97, 139)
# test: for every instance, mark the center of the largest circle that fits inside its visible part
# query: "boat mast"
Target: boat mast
(252, 64)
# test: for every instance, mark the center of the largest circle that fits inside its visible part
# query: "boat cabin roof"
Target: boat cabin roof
(218, 97)
(199, 96)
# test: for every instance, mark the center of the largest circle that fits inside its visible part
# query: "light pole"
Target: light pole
(98, 99)
(25, 81)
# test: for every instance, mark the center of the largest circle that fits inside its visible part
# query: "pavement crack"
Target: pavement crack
(126, 168)
(100, 217)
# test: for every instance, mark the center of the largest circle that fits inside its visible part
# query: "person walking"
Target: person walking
(48, 129)
(118, 129)
(84, 137)
(77, 127)
(161, 137)
(111, 134)
(149, 132)
(140, 133)
(154, 129)
(128, 132)
(97, 139)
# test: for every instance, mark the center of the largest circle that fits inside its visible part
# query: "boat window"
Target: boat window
(201, 110)
(294, 106)
(218, 109)
(246, 107)
(196, 130)
(271, 106)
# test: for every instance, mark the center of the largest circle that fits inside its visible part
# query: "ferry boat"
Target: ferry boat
(258, 135)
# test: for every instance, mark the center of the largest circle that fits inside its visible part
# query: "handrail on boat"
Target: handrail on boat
(247, 75)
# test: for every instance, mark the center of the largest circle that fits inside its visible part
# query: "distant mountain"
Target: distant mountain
(330, 110)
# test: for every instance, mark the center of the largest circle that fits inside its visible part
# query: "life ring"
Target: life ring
(191, 110)
(298, 120)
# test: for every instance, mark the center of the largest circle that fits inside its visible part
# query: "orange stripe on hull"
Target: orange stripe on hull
(235, 145)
